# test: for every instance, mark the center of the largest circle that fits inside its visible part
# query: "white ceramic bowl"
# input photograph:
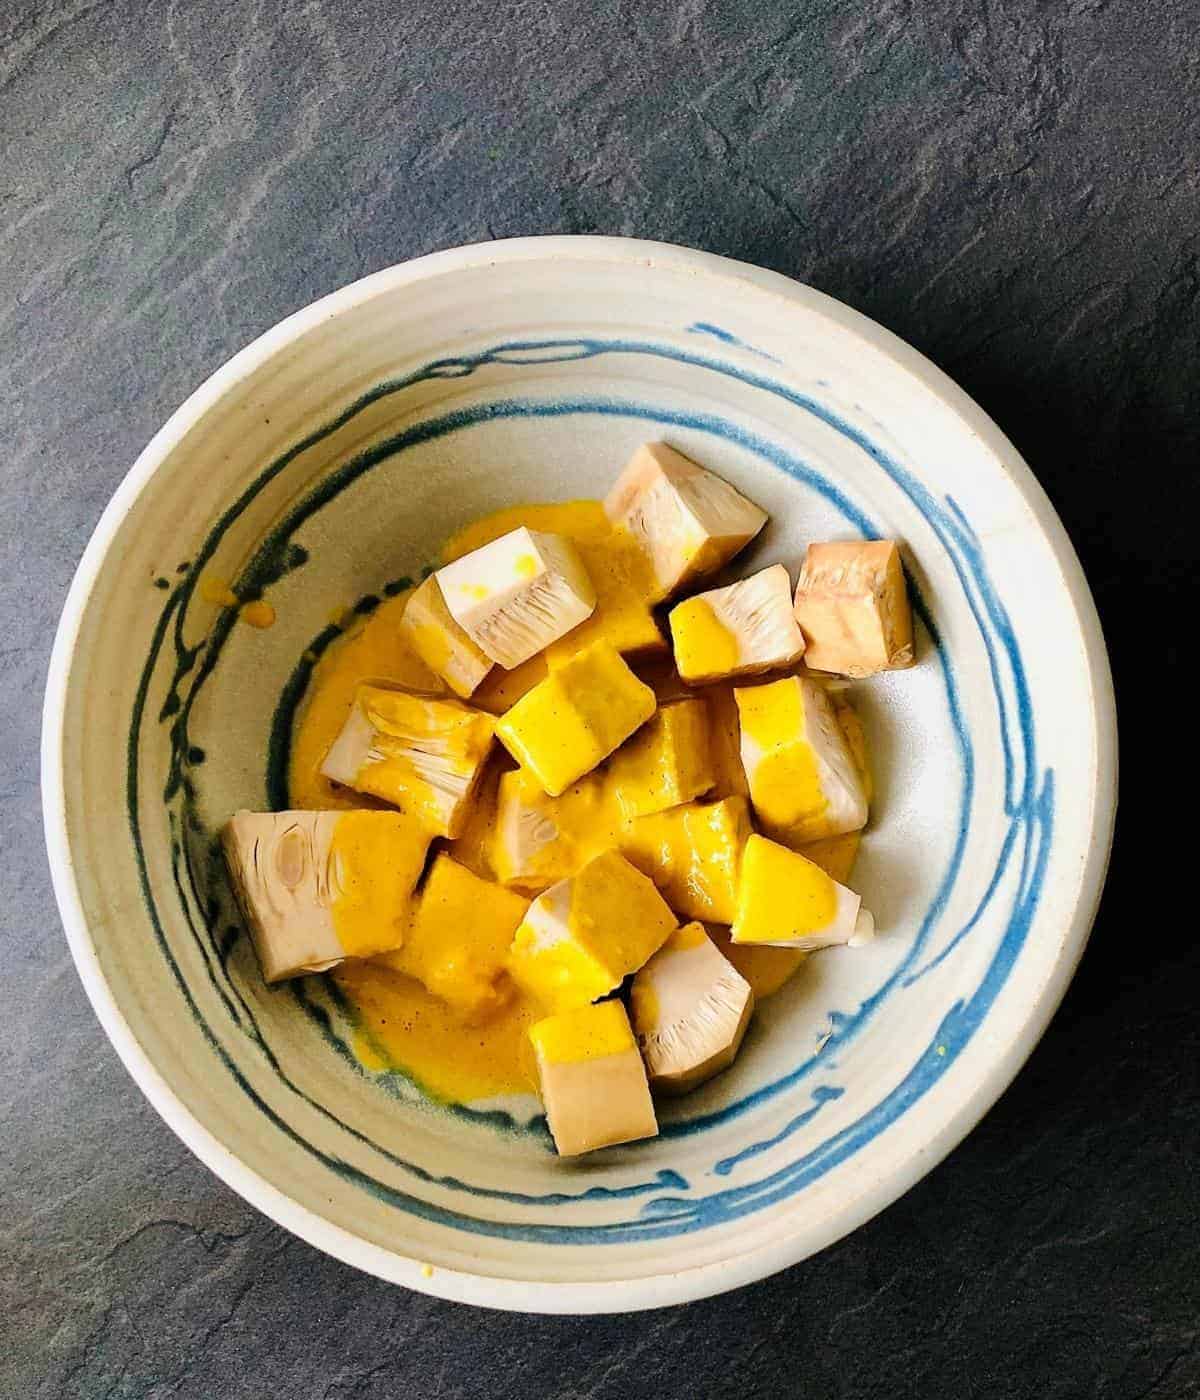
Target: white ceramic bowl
(333, 455)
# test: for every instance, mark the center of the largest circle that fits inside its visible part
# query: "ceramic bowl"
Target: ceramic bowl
(329, 459)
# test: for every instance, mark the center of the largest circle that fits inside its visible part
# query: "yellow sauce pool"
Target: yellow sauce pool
(402, 1026)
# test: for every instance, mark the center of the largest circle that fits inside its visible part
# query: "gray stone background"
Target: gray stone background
(1011, 186)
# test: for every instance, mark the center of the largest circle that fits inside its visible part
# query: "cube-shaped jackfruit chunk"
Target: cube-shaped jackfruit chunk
(584, 935)
(317, 887)
(741, 630)
(666, 763)
(689, 520)
(576, 717)
(592, 1080)
(516, 595)
(457, 942)
(787, 901)
(425, 755)
(693, 854)
(538, 840)
(852, 606)
(691, 1008)
(441, 643)
(804, 784)
(528, 847)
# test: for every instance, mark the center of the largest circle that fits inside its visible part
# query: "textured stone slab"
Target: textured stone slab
(1013, 188)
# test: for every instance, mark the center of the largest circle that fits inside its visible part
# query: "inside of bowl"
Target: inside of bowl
(331, 472)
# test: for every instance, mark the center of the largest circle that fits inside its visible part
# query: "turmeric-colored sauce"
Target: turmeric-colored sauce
(584, 1033)
(375, 862)
(402, 1026)
(458, 939)
(257, 614)
(703, 644)
(399, 1024)
(217, 591)
(785, 784)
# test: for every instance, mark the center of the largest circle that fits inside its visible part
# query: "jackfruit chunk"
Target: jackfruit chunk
(667, 762)
(457, 943)
(616, 563)
(787, 901)
(583, 936)
(528, 848)
(690, 1009)
(852, 606)
(516, 595)
(425, 755)
(766, 969)
(576, 717)
(693, 854)
(592, 1080)
(441, 643)
(804, 784)
(689, 520)
(317, 887)
(741, 630)
(539, 839)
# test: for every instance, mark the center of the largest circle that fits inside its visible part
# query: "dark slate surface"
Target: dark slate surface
(1013, 187)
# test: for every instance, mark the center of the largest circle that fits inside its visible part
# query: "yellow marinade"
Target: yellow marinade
(786, 784)
(586, 1033)
(376, 860)
(703, 644)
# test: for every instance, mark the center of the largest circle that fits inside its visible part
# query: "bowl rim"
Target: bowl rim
(549, 1296)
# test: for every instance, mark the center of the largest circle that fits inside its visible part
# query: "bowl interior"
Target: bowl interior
(327, 464)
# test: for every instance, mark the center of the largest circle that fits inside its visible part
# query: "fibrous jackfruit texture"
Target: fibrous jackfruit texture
(804, 783)
(317, 887)
(741, 630)
(689, 520)
(852, 606)
(424, 755)
(440, 642)
(516, 595)
(690, 1010)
